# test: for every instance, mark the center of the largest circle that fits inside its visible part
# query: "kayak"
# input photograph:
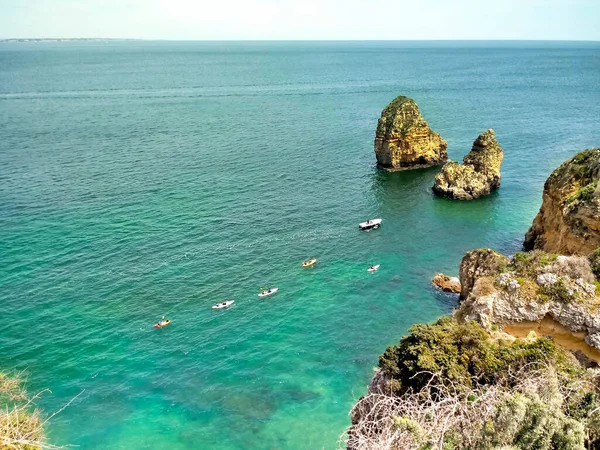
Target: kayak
(309, 263)
(373, 268)
(224, 304)
(268, 292)
(162, 323)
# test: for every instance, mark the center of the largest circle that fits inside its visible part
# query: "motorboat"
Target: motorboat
(373, 268)
(225, 304)
(268, 292)
(370, 224)
(310, 262)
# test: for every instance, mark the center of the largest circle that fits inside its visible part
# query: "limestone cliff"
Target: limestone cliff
(404, 140)
(569, 220)
(529, 287)
(479, 174)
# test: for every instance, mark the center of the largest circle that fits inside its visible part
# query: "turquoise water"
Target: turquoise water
(144, 179)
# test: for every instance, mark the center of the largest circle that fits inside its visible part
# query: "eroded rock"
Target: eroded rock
(529, 287)
(478, 175)
(569, 220)
(404, 140)
(446, 283)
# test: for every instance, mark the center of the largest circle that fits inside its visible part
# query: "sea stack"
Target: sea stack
(569, 219)
(404, 140)
(478, 175)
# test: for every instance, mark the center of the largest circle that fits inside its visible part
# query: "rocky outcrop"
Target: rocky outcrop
(404, 140)
(569, 220)
(529, 287)
(478, 175)
(446, 283)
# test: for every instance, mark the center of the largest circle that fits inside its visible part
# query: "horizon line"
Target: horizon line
(286, 40)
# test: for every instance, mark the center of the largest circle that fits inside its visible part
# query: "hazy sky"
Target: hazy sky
(302, 19)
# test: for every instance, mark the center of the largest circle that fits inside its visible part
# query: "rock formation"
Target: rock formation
(478, 175)
(404, 140)
(529, 287)
(569, 219)
(447, 284)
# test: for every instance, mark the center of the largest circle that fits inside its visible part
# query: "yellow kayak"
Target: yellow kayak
(162, 323)
(310, 262)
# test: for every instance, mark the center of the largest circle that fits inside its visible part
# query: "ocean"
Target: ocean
(148, 179)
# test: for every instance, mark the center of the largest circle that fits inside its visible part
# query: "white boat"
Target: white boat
(370, 224)
(373, 268)
(268, 292)
(225, 304)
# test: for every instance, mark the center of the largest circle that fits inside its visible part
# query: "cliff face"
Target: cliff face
(569, 220)
(479, 174)
(529, 287)
(464, 382)
(404, 140)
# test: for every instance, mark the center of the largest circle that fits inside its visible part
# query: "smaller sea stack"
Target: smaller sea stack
(477, 176)
(404, 140)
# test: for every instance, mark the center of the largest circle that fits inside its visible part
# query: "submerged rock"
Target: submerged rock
(478, 175)
(447, 284)
(569, 220)
(404, 140)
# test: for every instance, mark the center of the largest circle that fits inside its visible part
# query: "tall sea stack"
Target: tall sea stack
(404, 140)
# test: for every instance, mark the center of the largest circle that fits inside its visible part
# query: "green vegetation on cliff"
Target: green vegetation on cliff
(567, 222)
(594, 259)
(461, 353)
(452, 385)
(389, 112)
(396, 104)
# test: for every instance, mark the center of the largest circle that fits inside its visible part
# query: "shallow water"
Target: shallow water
(144, 179)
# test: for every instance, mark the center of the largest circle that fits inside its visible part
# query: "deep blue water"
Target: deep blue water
(141, 179)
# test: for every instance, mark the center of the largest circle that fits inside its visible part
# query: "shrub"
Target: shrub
(558, 292)
(526, 264)
(527, 413)
(574, 267)
(457, 389)
(529, 289)
(584, 194)
(455, 351)
(594, 260)
(484, 286)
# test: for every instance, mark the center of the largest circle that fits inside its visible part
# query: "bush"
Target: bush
(484, 286)
(458, 389)
(594, 260)
(574, 267)
(456, 352)
(526, 264)
(558, 292)
(527, 413)
(584, 194)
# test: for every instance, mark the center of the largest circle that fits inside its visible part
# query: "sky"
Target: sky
(302, 19)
